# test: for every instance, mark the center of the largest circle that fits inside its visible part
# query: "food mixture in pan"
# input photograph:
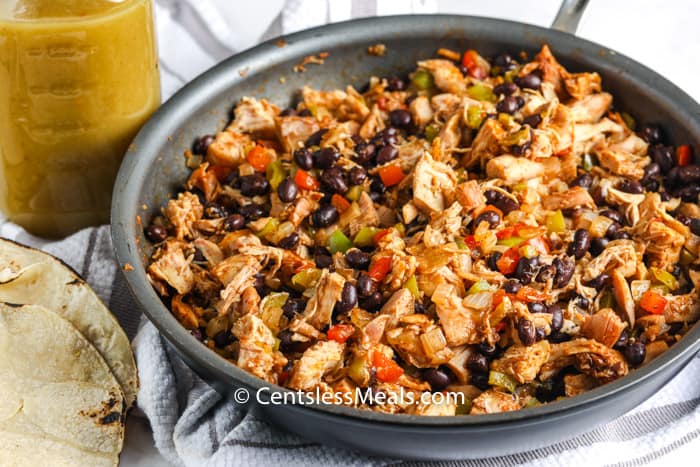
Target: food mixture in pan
(489, 226)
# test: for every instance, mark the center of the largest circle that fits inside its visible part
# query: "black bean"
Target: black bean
(580, 245)
(526, 331)
(287, 344)
(214, 211)
(614, 215)
(695, 225)
(505, 89)
(372, 303)
(551, 389)
(613, 229)
(492, 260)
(197, 334)
(333, 180)
(290, 241)
(583, 302)
(202, 144)
(305, 113)
(501, 201)
(526, 270)
(546, 273)
(364, 153)
(357, 176)
(665, 196)
(510, 104)
(598, 245)
(156, 233)
(254, 185)
(600, 282)
(400, 117)
(651, 170)
(234, 222)
(233, 179)
(492, 218)
(260, 285)
(365, 285)
(325, 216)
(315, 139)
(437, 378)
(540, 334)
(662, 155)
(223, 338)
(386, 154)
(652, 134)
(288, 112)
(504, 61)
(478, 363)
(418, 307)
(689, 194)
(348, 298)
(652, 184)
(685, 220)
(630, 186)
(512, 286)
(689, 174)
(583, 180)
(520, 150)
(357, 259)
(287, 190)
(536, 307)
(565, 270)
(558, 337)
(673, 177)
(635, 353)
(325, 158)
(490, 350)
(557, 317)
(623, 340)
(480, 380)
(303, 158)
(620, 235)
(533, 120)
(252, 211)
(530, 81)
(395, 84)
(293, 307)
(377, 186)
(322, 258)
(375, 197)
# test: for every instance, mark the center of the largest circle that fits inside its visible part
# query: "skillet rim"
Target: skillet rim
(224, 77)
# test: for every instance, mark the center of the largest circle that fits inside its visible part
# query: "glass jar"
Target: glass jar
(78, 78)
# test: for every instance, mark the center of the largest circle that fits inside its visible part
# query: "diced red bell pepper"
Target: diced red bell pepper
(340, 202)
(381, 103)
(391, 174)
(388, 371)
(471, 242)
(306, 181)
(498, 297)
(508, 261)
(501, 326)
(653, 302)
(505, 233)
(469, 60)
(528, 294)
(221, 171)
(380, 268)
(684, 155)
(379, 235)
(341, 332)
(259, 158)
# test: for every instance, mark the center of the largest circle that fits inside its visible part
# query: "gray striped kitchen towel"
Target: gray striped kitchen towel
(195, 426)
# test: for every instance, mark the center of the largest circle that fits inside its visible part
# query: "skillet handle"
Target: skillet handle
(569, 15)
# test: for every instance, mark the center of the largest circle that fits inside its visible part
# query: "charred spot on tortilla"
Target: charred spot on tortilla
(111, 418)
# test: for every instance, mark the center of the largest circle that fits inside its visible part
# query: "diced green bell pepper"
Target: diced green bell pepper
(338, 242)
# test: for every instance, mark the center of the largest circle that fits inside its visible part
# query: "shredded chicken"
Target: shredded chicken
(379, 239)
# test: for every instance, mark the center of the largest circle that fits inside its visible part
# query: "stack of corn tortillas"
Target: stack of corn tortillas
(67, 373)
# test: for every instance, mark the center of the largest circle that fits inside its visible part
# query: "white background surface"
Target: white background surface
(664, 35)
